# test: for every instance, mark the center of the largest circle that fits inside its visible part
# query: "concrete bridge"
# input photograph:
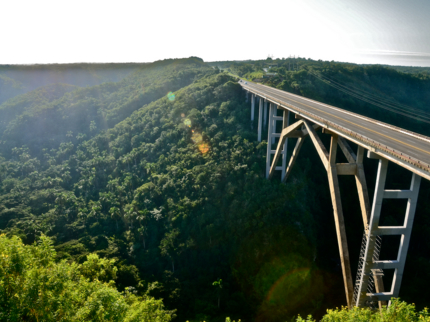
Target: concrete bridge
(382, 141)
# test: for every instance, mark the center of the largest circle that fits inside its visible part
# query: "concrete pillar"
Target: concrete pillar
(286, 123)
(274, 112)
(404, 240)
(246, 95)
(252, 106)
(269, 140)
(373, 226)
(265, 113)
(339, 221)
(260, 118)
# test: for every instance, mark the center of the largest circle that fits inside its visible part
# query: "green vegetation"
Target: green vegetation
(152, 186)
(398, 312)
(412, 70)
(33, 287)
(55, 114)
(16, 79)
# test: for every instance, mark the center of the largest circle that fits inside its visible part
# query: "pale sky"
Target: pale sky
(395, 32)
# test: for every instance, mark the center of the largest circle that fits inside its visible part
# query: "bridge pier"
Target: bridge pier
(260, 118)
(265, 113)
(285, 124)
(339, 220)
(370, 262)
(271, 137)
(252, 106)
(363, 197)
(269, 142)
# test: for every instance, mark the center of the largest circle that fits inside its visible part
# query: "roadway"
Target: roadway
(408, 143)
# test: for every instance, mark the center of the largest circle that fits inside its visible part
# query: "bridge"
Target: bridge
(382, 141)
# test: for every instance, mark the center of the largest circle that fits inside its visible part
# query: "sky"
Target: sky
(394, 32)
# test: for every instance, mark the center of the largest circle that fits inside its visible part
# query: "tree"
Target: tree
(33, 287)
(169, 246)
(218, 286)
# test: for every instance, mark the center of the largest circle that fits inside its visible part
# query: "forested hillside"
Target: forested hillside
(20, 79)
(160, 173)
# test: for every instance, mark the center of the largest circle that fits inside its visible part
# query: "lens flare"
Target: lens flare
(203, 147)
(197, 138)
(171, 96)
(187, 122)
(276, 266)
(182, 115)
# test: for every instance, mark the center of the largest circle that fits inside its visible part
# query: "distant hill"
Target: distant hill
(52, 113)
(410, 69)
(19, 79)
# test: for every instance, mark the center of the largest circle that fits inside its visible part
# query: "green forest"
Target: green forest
(137, 192)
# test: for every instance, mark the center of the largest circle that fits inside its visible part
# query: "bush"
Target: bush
(33, 287)
(398, 311)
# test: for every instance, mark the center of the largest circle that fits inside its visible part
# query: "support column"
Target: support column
(360, 180)
(371, 238)
(280, 148)
(252, 106)
(246, 95)
(406, 236)
(363, 197)
(339, 221)
(269, 141)
(260, 118)
(285, 123)
(293, 157)
(371, 263)
(265, 113)
(274, 110)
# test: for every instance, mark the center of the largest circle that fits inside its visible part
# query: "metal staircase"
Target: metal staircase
(375, 273)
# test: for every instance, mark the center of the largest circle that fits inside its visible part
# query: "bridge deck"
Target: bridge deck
(408, 149)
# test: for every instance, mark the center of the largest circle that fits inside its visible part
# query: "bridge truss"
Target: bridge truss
(368, 288)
